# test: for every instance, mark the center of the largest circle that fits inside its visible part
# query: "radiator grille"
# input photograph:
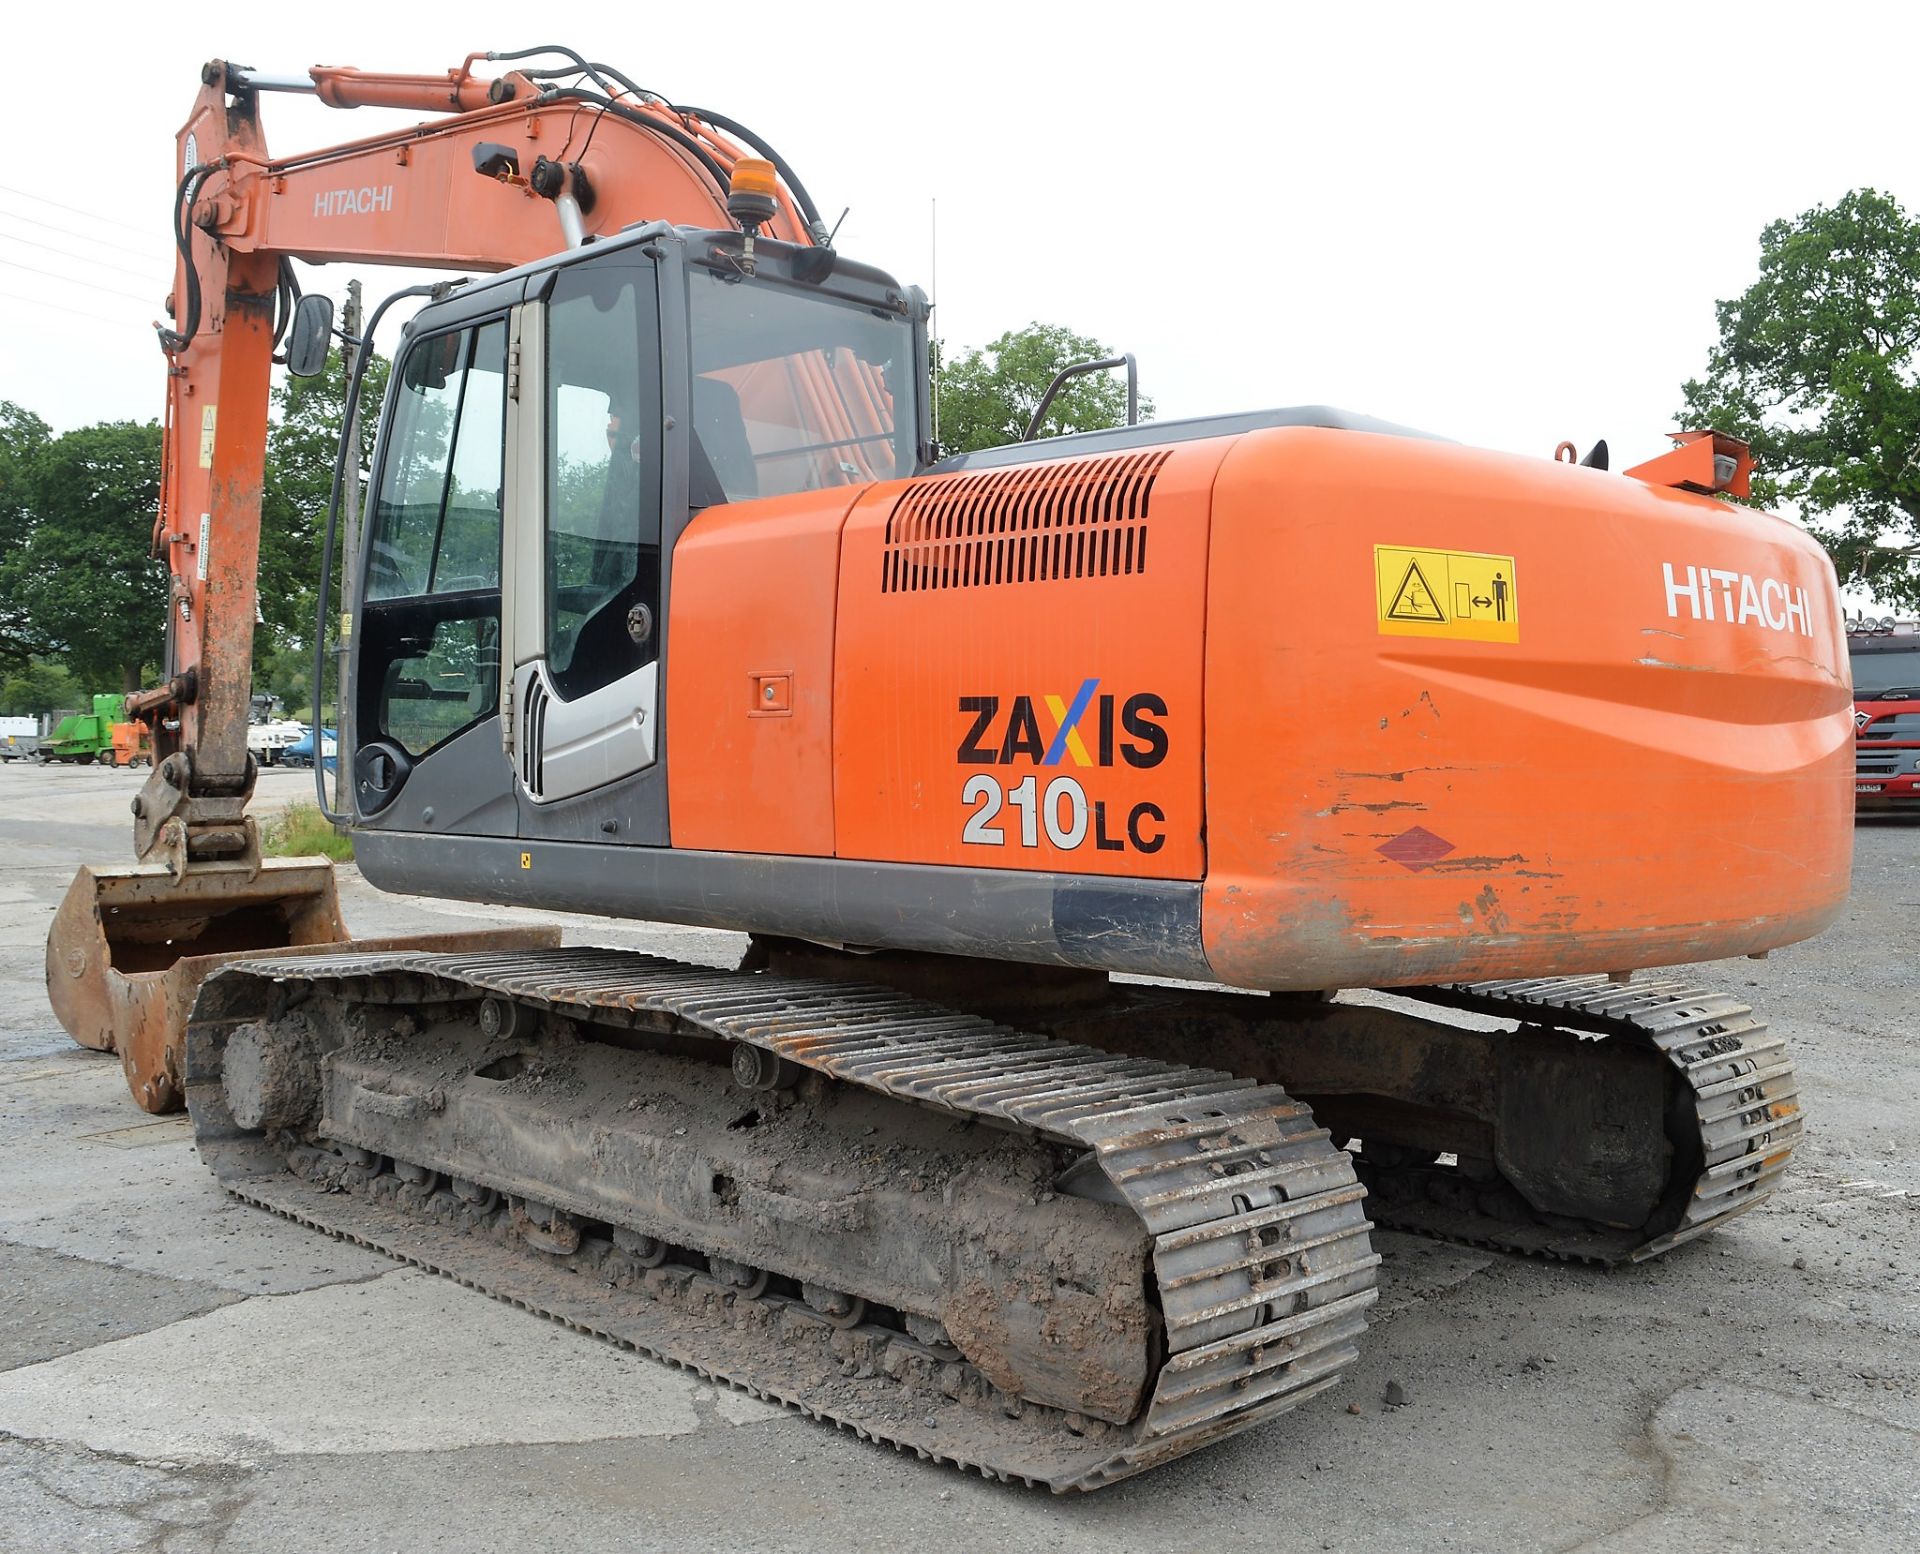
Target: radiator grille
(1026, 525)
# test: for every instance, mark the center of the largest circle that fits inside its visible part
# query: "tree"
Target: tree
(308, 415)
(285, 669)
(39, 687)
(87, 586)
(76, 518)
(1816, 368)
(987, 397)
(23, 443)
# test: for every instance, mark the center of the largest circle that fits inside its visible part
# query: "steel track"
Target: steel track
(1742, 1118)
(1263, 1266)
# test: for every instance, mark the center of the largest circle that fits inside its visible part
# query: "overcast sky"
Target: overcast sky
(1504, 224)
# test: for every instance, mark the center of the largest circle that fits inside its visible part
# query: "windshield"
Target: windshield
(794, 390)
(1878, 669)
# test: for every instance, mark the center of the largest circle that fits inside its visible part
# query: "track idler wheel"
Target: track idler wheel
(743, 1277)
(840, 1309)
(476, 1197)
(641, 1251)
(271, 1076)
(544, 1227)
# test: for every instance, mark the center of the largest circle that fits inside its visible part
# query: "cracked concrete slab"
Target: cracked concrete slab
(1740, 1458)
(75, 1186)
(51, 1304)
(1414, 1269)
(407, 1362)
(126, 1507)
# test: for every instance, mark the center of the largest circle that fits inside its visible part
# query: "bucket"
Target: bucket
(129, 948)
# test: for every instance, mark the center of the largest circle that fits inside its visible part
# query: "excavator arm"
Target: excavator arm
(512, 168)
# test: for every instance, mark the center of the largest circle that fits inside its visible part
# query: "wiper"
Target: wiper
(1891, 693)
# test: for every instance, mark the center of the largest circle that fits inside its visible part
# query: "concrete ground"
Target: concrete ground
(181, 1373)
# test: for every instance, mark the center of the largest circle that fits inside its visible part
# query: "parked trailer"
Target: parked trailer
(19, 737)
(82, 738)
(269, 740)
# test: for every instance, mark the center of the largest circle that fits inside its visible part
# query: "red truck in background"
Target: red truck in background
(1886, 715)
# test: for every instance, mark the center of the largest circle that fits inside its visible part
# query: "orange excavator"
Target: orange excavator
(1167, 852)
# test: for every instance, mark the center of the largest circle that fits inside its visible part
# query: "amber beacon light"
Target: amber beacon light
(751, 199)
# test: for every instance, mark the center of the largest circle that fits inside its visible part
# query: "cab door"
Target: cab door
(585, 606)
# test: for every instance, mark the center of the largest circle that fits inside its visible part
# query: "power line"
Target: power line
(75, 210)
(41, 302)
(85, 237)
(112, 291)
(53, 248)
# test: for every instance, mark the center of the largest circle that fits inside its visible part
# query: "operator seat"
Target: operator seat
(723, 464)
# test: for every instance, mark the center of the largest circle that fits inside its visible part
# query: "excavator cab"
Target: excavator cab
(549, 435)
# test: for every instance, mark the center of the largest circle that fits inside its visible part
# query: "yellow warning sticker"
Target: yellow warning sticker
(1462, 594)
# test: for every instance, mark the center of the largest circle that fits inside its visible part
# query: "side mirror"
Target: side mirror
(312, 334)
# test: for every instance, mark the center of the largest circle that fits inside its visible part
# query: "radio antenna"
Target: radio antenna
(933, 304)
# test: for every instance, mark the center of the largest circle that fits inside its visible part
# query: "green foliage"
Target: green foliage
(309, 415)
(987, 397)
(23, 442)
(78, 573)
(76, 517)
(39, 687)
(301, 831)
(579, 492)
(285, 669)
(1816, 367)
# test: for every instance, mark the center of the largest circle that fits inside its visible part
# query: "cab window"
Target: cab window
(793, 390)
(429, 659)
(603, 442)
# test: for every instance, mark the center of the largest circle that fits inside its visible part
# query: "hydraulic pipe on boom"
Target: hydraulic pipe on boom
(517, 168)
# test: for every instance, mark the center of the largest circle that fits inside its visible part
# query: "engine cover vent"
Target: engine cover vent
(1029, 524)
(533, 735)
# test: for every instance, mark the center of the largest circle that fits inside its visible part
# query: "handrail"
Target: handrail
(362, 356)
(1104, 364)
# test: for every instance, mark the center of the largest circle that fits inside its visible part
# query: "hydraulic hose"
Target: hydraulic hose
(508, 56)
(286, 297)
(174, 340)
(605, 76)
(659, 127)
(787, 175)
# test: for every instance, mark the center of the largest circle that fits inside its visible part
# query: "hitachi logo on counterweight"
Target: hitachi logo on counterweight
(353, 202)
(1714, 594)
